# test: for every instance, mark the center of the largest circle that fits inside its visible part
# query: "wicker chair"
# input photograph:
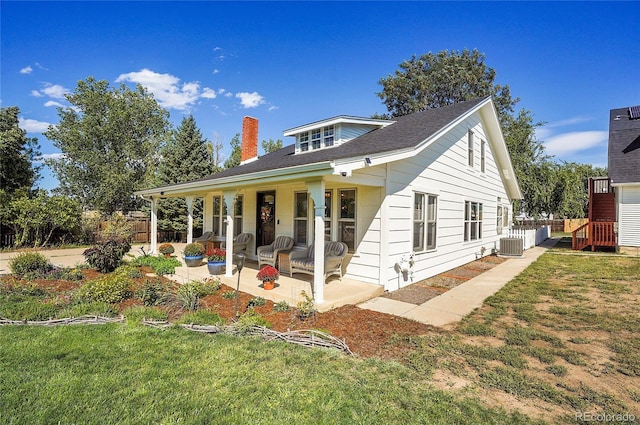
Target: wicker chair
(303, 261)
(241, 242)
(206, 237)
(268, 254)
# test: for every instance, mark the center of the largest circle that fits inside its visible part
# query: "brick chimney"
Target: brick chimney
(249, 140)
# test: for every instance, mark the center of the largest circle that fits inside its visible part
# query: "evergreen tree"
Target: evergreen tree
(186, 157)
(17, 153)
(236, 152)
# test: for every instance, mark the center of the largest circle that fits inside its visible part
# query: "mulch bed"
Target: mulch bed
(427, 289)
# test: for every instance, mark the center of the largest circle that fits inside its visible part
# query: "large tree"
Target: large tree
(187, 156)
(434, 80)
(17, 153)
(271, 145)
(110, 139)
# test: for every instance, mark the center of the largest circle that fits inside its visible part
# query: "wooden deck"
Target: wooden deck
(599, 231)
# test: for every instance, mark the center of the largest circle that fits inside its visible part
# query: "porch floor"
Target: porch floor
(337, 292)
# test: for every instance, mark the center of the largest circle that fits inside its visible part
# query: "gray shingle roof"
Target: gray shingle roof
(624, 147)
(407, 132)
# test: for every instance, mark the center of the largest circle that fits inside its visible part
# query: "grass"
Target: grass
(119, 374)
(565, 334)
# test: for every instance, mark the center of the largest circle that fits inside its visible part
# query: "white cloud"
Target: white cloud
(52, 156)
(33, 126)
(208, 93)
(26, 70)
(167, 89)
(250, 100)
(55, 91)
(216, 71)
(569, 121)
(53, 103)
(36, 93)
(273, 108)
(576, 141)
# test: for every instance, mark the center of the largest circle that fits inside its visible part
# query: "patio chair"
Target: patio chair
(268, 254)
(206, 237)
(241, 241)
(334, 254)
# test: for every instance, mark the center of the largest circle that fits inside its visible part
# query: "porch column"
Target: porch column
(189, 200)
(316, 191)
(154, 226)
(229, 198)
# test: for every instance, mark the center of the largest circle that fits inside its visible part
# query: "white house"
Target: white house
(428, 192)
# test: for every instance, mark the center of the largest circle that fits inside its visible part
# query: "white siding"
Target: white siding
(442, 170)
(629, 216)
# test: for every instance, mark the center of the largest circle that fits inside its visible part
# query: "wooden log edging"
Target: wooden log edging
(80, 320)
(305, 337)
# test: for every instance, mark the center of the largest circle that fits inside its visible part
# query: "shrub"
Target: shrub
(250, 319)
(187, 297)
(306, 308)
(201, 317)
(29, 262)
(166, 248)
(229, 295)
(111, 289)
(152, 293)
(256, 302)
(160, 265)
(194, 249)
(281, 306)
(106, 256)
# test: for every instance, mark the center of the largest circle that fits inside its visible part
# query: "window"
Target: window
(237, 216)
(347, 218)
(304, 141)
(219, 214)
(328, 198)
(472, 221)
(482, 154)
(424, 222)
(470, 147)
(315, 138)
(505, 217)
(328, 136)
(499, 220)
(300, 218)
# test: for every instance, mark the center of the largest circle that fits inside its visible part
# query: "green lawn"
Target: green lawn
(121, 374)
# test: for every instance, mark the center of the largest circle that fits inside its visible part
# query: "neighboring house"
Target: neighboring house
(425, 192)
(624, 172)
(614, 201)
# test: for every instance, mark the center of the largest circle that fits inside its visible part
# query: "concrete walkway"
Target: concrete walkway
(453, 305)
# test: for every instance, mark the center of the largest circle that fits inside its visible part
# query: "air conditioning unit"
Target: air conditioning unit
(512, 247)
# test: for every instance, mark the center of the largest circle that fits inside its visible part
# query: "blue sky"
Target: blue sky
(291, 63)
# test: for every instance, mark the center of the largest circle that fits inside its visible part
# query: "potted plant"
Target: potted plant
(216, 260)
(268, 275)
(166, 249)
(193, 254)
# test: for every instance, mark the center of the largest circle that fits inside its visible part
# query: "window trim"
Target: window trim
(469, 222)
(237, 218)
(426, 222)
(354, 220)
(483, 149)
(297, 218)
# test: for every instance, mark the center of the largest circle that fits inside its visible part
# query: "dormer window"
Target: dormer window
(304, 142)
(332, 132)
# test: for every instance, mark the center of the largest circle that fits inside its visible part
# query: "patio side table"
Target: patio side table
(283, 261)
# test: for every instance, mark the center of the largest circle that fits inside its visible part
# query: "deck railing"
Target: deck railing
(594, 233)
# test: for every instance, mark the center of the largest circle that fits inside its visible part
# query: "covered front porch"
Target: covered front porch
(337, 292)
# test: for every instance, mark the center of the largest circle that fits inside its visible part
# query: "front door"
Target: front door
(266, 218)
